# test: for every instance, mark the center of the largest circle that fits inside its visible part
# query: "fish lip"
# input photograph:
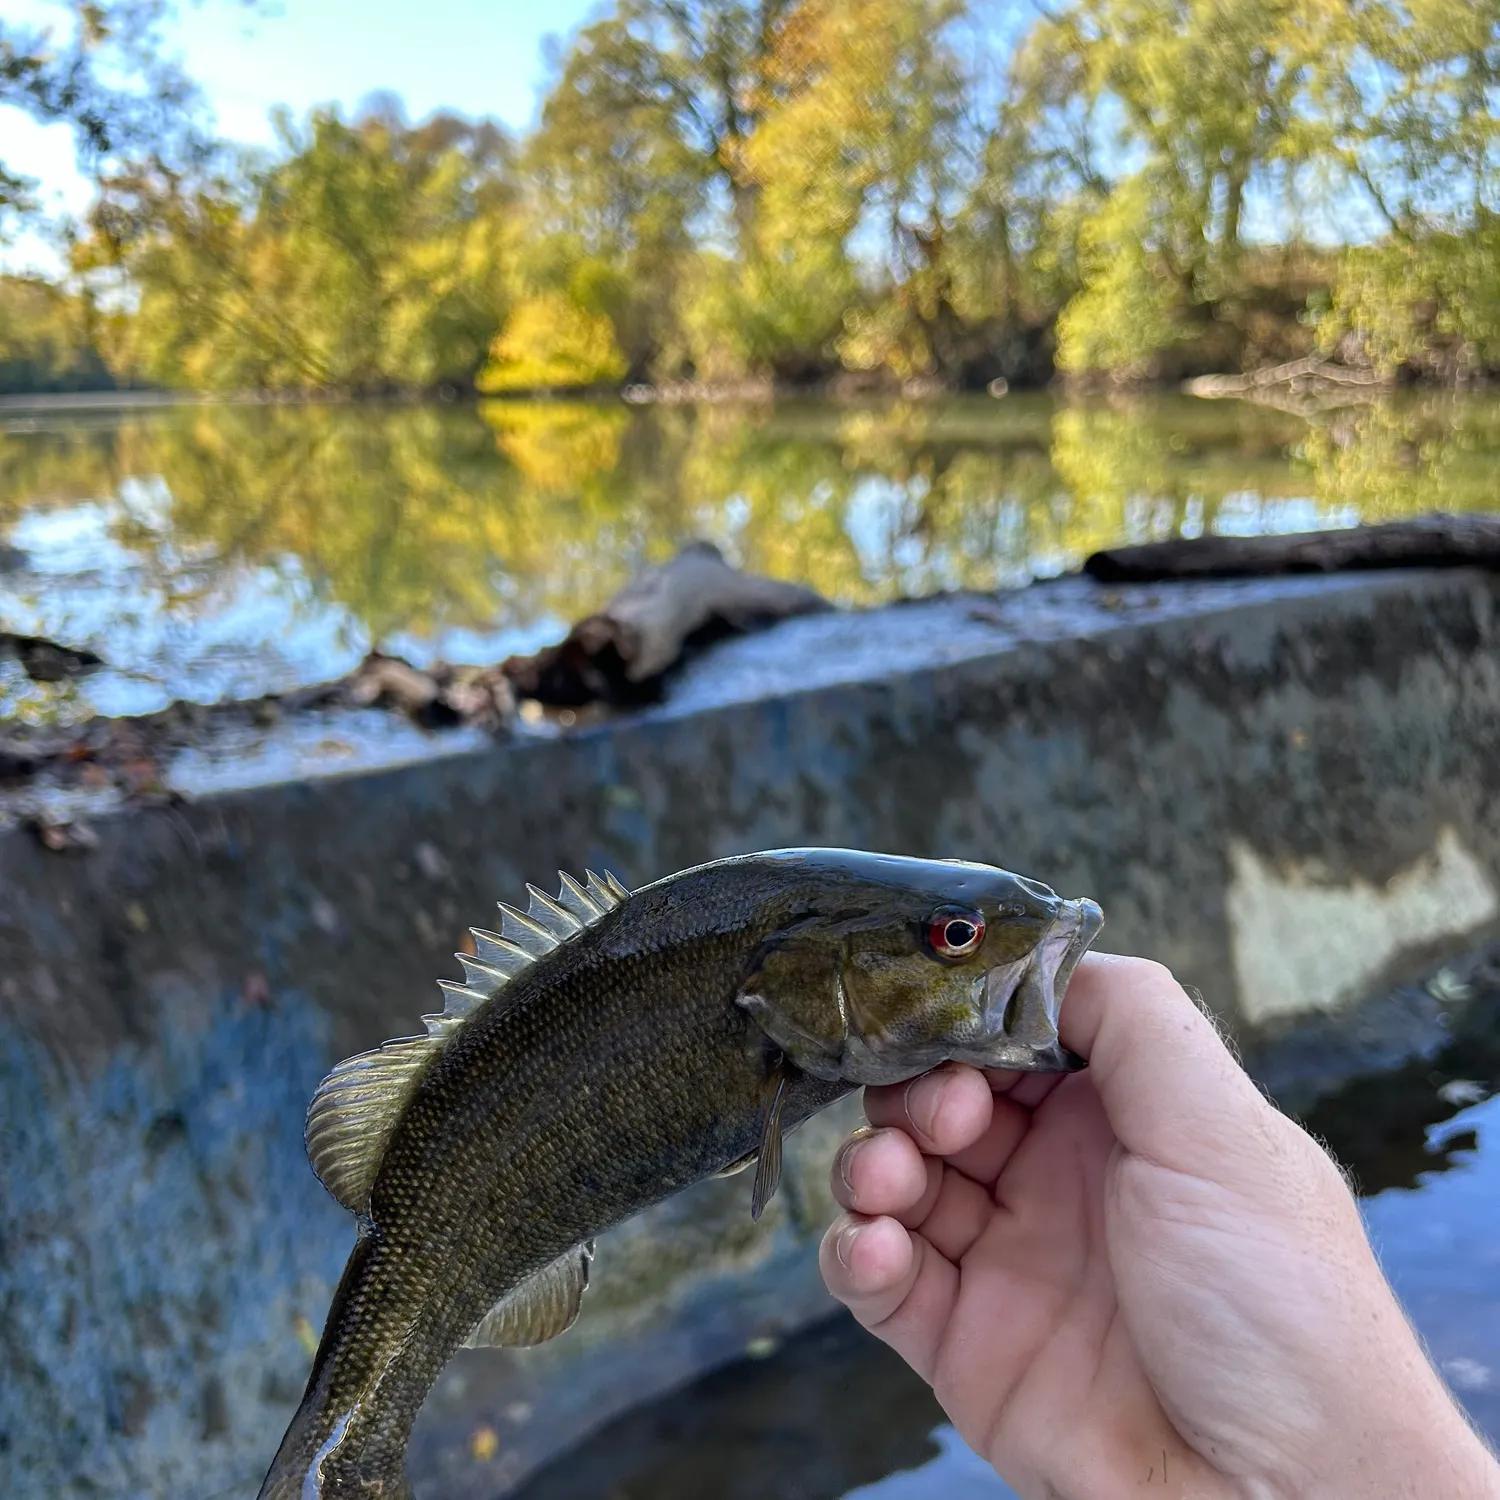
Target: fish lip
(1057, 955)
(1034, 1045)
(1089, 919)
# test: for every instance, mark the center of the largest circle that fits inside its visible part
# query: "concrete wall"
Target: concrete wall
(1287, 790)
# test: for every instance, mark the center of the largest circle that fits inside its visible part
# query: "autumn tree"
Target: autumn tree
(368, 257)
(101, 69)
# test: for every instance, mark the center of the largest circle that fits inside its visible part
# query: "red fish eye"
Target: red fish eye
(954, 934)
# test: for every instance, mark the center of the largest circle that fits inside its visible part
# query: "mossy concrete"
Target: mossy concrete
(1287, 790)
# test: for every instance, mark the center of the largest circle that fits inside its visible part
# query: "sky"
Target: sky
(475, 56)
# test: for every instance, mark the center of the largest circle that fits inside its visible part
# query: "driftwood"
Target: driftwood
(1302, 386)
(440, 697)
(48, 661)
(1433, 541)
(131, 754)
(620, 655)
(616, 656)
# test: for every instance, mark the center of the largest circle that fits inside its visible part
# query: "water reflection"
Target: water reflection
(231, 550)
(834, 1414)
(833, 1410)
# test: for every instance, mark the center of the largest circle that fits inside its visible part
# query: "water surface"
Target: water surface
(214, 551)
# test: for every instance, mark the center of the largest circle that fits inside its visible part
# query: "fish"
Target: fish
(607, 1049)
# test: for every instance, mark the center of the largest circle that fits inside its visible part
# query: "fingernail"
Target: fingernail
(922, 1095)
(847, 1155)
(844, 1245)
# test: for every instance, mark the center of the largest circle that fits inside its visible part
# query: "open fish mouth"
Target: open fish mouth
(1029, 1005)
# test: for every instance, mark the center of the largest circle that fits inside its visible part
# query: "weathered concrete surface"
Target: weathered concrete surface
(1287, 790)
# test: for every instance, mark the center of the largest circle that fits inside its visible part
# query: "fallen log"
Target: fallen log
(48, 661)
(1297, 374)
(1431, 541)
(621, 654)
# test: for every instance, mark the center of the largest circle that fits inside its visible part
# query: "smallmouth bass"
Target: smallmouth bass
(609, 1049)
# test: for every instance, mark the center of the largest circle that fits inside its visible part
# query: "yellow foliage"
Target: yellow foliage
(558, 446)
(552, 343)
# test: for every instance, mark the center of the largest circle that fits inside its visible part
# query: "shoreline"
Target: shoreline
(1327, 382)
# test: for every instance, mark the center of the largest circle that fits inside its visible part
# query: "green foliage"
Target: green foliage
(551, 342)
(99, 68)
(1431, 303)
(1127, 310)
(723, 189)
(47, 339)
(367, 259)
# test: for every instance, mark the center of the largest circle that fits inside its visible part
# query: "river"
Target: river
(211, 551)
(231, 550)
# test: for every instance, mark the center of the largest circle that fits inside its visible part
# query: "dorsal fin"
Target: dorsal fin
(357, 1106)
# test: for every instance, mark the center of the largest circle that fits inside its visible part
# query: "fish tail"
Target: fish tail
(312, 1462)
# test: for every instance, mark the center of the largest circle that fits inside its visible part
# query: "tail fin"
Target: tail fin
(328, 1405)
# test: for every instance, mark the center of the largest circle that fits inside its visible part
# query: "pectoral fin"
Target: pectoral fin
(540, 1308)
(795, 992)
(768, 1157)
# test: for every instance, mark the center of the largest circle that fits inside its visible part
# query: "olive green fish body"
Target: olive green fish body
(643, 1043)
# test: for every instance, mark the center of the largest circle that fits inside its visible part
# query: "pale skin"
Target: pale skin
(1141, 1279)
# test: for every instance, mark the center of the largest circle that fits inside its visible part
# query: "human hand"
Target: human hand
(1141, 1278)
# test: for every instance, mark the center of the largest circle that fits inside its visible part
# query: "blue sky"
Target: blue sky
(475, 56)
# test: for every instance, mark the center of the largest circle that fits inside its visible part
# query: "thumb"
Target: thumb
(1170, 1087)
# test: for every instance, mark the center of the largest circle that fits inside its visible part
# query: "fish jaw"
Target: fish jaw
(1025, 1011)
(1017, 1007)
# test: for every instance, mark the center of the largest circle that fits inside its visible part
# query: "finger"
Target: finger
(883, 1172)
(943, 1111)
(1034, 1087)
(958, 1212)
(987, 1157)
(869, 1264)
(1024, 1087)
(1171, 1089)
(880, 1173)
(895, 1283)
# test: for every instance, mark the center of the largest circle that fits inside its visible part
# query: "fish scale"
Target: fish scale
(651, 1041)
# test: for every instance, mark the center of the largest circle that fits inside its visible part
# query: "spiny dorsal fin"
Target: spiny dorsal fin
(577, 899)
(540, 1308)
(356, 1107)
(558, 920)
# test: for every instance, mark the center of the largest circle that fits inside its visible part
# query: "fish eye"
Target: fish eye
(954, 932)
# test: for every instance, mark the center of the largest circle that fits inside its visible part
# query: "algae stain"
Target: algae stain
(1304, 944)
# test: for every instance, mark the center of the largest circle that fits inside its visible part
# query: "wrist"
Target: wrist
(1425, 1450)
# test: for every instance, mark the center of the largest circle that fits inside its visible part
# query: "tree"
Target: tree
(102, 72)
(47, 339)
(367, 258)
(551, 342)
(783, 189)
